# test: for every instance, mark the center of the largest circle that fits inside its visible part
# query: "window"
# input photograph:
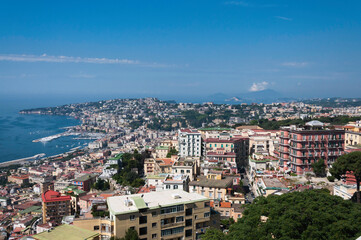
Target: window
(154, 225)
(167, 186)
(195, 216)
(154, 235)
(179, 219)
(188, 222)
(175, 187)
(207, 214)
(172, 231)
(132, 217)
(154, 214)
(188, 171)
(96, 228)
(142, 219)
(207, 204)
(188, 232)
(172, 209)
(189, 211)
(143, 231)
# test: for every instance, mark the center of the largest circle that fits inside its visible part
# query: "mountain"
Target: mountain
(264, 96)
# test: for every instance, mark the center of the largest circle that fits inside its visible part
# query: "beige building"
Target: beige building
(212, 188)
(172, 214)
(103, 226)
(353, 134)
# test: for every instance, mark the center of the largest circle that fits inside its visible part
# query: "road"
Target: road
(248, 190)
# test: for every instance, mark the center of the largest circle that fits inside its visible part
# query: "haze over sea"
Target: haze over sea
(17, 131)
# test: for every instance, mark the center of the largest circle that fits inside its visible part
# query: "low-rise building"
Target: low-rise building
(212, 188)
(84, 182)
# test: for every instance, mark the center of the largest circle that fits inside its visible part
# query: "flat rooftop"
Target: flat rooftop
(153, 200)
(68, 232)
(273, 183)
(205, 182)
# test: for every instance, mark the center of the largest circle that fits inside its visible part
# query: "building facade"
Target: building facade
(190, 143)
(172, 214)
(55, 206)
(300, 147)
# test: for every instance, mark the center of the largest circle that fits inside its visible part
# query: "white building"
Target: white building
(190, 143)
(179, 181)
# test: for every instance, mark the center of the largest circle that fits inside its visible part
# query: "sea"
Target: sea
(17, 131)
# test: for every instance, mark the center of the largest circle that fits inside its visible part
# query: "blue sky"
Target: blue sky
(180, 48)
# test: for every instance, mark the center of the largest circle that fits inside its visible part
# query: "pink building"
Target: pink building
(302, 146)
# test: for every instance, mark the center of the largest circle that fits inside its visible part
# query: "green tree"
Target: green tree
(172, 151)
(311, 214)
(213, 234)
(319, 168)
(131, 234)
(348, 163)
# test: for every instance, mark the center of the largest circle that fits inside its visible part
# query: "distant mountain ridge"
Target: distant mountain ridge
(263, 96)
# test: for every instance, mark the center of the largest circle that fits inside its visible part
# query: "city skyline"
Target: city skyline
(188, 49)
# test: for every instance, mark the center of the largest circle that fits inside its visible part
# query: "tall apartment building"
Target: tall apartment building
(55, 206)
(300, 147)
(173, 214)
(190, 143)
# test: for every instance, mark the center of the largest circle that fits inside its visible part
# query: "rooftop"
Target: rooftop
(65, 231)
(84, 178)
(214, 129)
(194, 131)
(273, 183)
(205, 182)
(52, 196)
(117, 205)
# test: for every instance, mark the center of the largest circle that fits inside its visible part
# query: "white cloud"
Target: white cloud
(64, 59)
(295, 64)
(258, 86)
(284, 18)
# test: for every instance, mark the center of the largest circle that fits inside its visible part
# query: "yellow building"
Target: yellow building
(173, 214)
(212, 188)
(353, 134)
(103, 226)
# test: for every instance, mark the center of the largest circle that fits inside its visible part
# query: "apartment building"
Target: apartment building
(225, 148)
(190, 143)
(55, 206)
(173, 214)
(302, 146)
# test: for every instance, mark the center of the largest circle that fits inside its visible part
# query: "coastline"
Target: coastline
(24, 131)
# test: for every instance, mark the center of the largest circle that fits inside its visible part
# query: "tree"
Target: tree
(311, 214)
(101, 185)
(348, 163)
(131, 234)
(213, 234)
(172, 151)
(319, 168)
